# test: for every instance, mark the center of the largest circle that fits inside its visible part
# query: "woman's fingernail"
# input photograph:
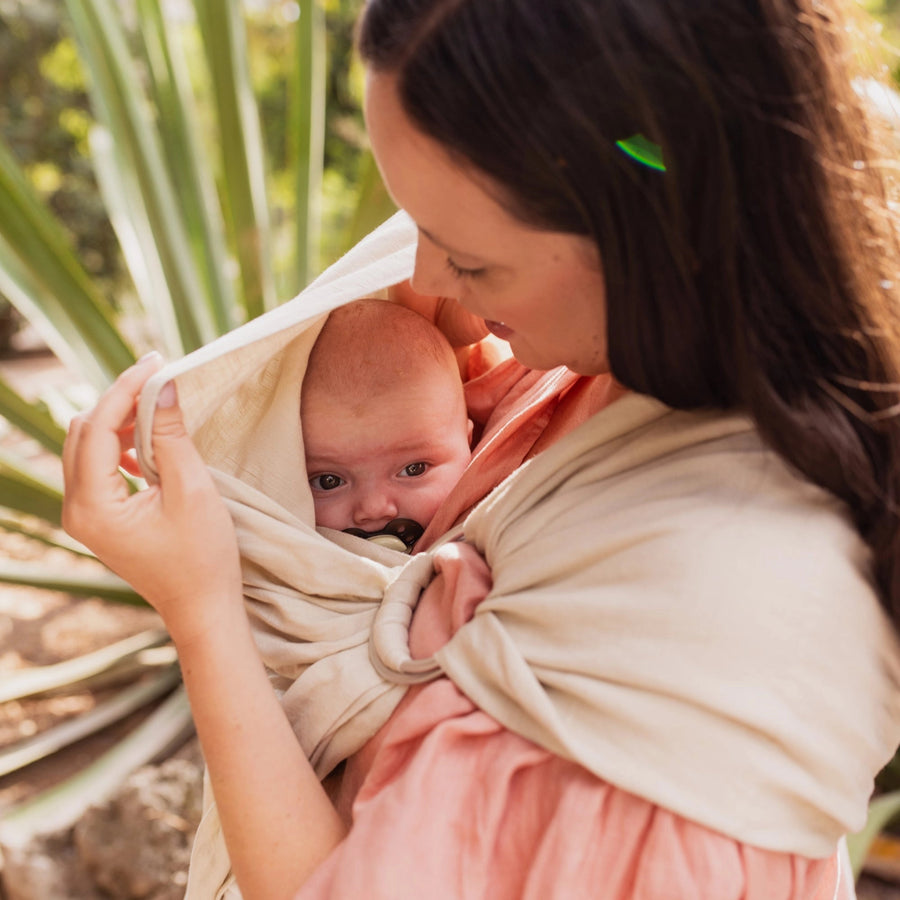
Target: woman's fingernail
(167, 396)
(153, 354)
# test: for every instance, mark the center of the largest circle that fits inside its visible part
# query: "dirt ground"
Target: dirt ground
(41, 627)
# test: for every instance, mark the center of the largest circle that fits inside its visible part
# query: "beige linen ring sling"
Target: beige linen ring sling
(697, 627)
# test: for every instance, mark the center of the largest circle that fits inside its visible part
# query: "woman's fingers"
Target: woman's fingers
(180, 468)
(116, 406)
(460, 327)
(173, 542)
(94, 446)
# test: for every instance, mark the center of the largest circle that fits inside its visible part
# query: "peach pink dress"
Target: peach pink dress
(447, 804)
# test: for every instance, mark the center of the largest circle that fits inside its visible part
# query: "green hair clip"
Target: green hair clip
(643, 151)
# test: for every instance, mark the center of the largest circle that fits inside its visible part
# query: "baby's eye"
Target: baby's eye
(326, 482)
(414, 470)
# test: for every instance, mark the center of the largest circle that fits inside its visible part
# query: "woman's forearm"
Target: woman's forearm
(277, 820)
(175, 544)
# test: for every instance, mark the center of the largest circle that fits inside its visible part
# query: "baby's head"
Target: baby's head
(385, 429)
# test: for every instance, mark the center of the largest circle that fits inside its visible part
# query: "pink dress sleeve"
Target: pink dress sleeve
(447, 804)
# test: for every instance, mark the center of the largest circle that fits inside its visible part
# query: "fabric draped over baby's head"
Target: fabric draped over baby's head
(311, 600)
(240, 394)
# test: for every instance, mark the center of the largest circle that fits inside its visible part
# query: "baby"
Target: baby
(385, 428)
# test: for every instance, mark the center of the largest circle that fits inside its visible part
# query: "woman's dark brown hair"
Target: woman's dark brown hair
(760, 270)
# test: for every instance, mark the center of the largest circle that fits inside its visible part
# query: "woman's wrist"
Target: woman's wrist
(199, 623)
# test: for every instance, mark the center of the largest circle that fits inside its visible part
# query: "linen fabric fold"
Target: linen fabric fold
(676, 610)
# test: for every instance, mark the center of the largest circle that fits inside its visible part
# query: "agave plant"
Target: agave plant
(182, 167)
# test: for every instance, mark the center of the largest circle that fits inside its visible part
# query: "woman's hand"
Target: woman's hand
(459, 326)
(174, 542)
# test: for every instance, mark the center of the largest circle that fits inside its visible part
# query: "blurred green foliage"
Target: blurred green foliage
(344, 134)
(887, 15)
(45, 118)
(206, 124)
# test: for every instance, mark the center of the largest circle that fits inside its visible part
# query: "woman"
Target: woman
(641, 625)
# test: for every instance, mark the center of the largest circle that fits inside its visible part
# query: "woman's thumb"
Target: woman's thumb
(173, 450)
(167, 398)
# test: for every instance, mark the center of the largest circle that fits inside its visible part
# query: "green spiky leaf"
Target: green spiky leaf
(72, 674)
(61, 806)
(127, 701)
(882, 811)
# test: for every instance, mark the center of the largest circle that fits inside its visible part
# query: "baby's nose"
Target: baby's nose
(375, 509)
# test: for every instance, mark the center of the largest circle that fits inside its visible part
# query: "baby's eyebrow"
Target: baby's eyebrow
(322, 462)
(422, 446)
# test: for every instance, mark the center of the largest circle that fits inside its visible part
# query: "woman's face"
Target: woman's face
(542, 291)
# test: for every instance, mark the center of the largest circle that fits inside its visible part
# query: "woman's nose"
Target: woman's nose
(432, 276)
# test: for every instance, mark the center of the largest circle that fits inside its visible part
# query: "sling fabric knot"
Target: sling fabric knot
(389, 641)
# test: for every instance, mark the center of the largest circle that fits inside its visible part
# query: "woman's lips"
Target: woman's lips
(499, 330)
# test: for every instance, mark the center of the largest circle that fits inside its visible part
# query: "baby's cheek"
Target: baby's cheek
(430, 501)
(329, 513)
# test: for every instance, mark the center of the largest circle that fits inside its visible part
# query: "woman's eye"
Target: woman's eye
(460, 272)
(414, 470)
(326, 482)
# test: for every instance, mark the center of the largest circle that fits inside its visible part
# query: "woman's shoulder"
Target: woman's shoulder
(708, 526)
(686, 575)
(694, 486)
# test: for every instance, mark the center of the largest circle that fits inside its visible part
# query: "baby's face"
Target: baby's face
(396, 455)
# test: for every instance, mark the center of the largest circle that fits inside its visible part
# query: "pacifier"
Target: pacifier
(398, 534)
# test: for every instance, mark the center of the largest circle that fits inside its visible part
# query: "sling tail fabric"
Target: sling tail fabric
(646, 568)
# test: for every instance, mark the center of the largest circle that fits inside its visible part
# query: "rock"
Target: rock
(137, 845)
(47, 869)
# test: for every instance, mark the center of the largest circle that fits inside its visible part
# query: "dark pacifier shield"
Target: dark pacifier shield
(398, 534)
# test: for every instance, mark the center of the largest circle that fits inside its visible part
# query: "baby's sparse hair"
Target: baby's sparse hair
(370, 346)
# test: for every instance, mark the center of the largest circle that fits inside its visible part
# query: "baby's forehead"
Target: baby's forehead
(372, 343)
(386, 386)
(380, 431)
